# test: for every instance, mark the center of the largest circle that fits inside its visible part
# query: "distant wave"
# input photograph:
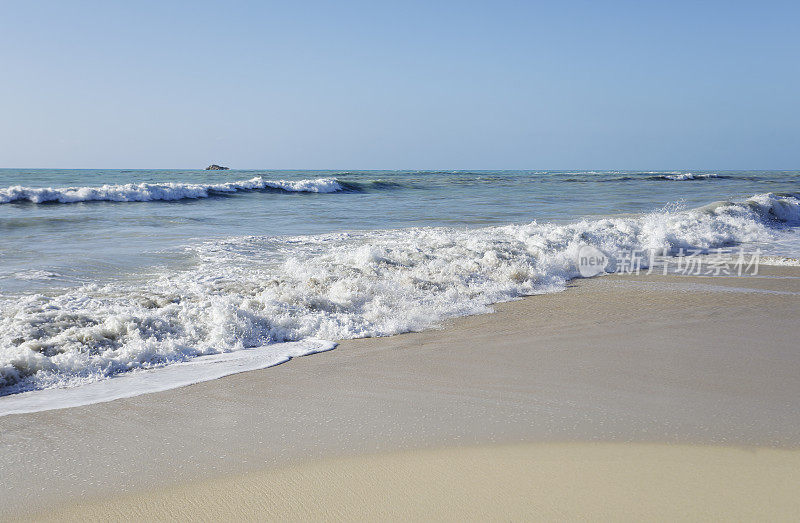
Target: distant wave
(681, 177)
(371, 185)
(146, 192)
(171, 191)
(652, 176)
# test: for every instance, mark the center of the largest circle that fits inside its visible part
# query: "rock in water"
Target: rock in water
(215, 167)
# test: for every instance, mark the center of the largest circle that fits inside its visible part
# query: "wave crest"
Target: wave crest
(682, 177)
(170, 191)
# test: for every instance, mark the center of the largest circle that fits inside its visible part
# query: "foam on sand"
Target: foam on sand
(780, 261)
(203, 368)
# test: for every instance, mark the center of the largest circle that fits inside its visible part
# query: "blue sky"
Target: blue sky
(400, 85)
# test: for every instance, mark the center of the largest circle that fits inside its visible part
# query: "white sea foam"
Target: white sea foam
(250, 292)
(132, 384)
(780, 261)
(680, 177)
(145, 192)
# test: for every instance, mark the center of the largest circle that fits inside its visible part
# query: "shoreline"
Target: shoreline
(215, 366)
(598, 362)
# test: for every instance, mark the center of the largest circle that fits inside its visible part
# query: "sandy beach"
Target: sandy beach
(383, 261)
(662, 397)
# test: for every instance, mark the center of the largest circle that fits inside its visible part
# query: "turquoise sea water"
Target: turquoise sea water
(106, 272)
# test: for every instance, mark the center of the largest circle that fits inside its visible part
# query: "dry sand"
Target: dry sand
(492, 416)
(632, 482)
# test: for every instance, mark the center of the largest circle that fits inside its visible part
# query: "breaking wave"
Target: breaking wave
(172, 191)
(682, 177)
(654, 176)
(246, 292)
(169, 191)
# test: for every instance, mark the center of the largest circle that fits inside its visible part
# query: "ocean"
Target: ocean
(119, 282)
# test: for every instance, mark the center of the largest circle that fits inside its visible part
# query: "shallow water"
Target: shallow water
(53, 244)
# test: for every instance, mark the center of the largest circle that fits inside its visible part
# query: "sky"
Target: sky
(400, 85)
